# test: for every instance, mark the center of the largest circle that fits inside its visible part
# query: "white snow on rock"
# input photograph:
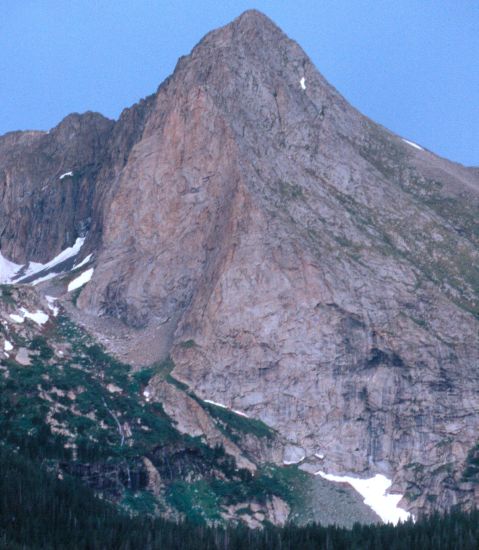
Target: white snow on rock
(225, 407)
(215, 403)
(293, 455)
(16, 318)
(374, 491)
(240, 413)
(69, 252)
(66, 175)
(303, 83)
(46, 277)
(7, 346)
(8, 269)
(80, 280)
(51, 305)
(319, 455)
(83, 262)
(412, 144)
(38, 316)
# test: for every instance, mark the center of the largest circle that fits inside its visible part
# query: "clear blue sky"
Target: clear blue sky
(412, 65)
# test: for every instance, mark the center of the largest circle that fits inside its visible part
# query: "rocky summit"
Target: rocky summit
(291, 281)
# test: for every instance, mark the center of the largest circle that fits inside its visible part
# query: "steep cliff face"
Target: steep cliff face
(47, 185)
(299, 262)
(53, 184)
(325, 269)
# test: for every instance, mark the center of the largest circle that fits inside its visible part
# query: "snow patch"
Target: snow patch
(16, 318)
(225, 407)
(80, 280)
(34, 267)
(37, 317)
(215, 403)
(412, 144)
(293, 455)
(66, 175)
(47, 277)
(240, 413)
(7, 346)
(374, 491)
(302, 82)
(291, 462)
(319, 455)
(83, 262)
(51, 305)
(69, 252)
(8, 269)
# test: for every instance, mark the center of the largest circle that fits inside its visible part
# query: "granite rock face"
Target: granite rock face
(323, 270)
(53, 184)
(42, 212)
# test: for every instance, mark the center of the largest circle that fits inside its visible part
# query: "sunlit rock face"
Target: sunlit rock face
(323, 271)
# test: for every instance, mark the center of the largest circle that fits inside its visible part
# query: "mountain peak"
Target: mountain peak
(249, 47)
(253, 18)
(252, 25)
(288, 255)
(248, 29)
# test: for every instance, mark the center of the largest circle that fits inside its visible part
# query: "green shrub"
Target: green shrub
(39, 343)
(197, 501)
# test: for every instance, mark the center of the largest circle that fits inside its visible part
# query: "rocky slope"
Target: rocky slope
(82, 413)
(299, 263)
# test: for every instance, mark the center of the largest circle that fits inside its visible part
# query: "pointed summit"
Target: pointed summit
(249, 60)
(251, 32)
(254, 16)
(254, 19)
(250, 21)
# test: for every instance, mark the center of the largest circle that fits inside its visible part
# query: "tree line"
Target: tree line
(39, 511)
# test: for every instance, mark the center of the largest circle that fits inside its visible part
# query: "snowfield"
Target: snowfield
(9, 271)
(16, 318)
(38, 317)
(80, 280)
(374, 490)
(66, 254)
